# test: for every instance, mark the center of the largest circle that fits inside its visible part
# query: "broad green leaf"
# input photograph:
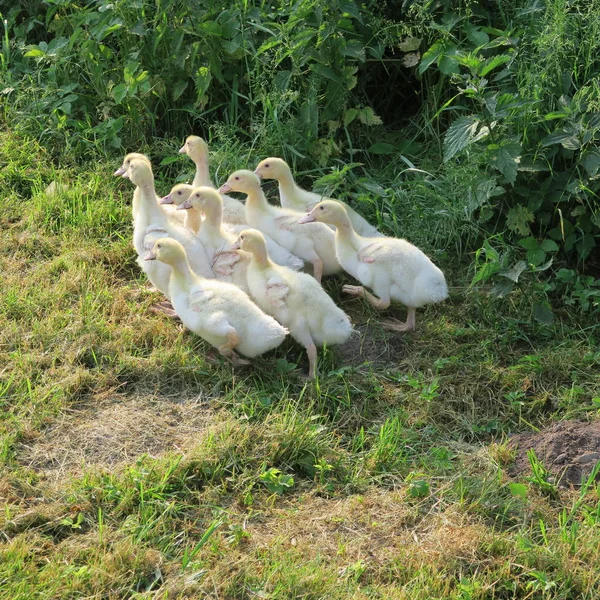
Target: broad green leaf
(119, 92)
(431, 56)
(212, 28)
(518, 489)
(459, 135)
(448, 64)
(179, 88)
(536, 257)
(350, 115)
(34, 53)
(502, 289)
(476, 35)
(591, 162)
(529, 243)
(518, 219)
(202, 80)
(542, 312)
(367, 117)
(281, 81)
(585, 245)
(267, 46)
(381, 148)
(492, 63)
(549, 246)
(410, 44)
(515, 271)
(506, 159)
(485, 272)
(354, 49)
(568, 138)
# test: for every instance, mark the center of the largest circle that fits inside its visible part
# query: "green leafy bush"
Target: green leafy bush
(527, 102)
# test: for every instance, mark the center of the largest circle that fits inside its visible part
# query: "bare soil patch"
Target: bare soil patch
(371, 345)
(569, 450)
(114, 433)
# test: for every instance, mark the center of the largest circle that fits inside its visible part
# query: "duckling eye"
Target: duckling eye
(241, 237)
(179, 193)
(159, 245)
(322, 208)
(267, 165)
(237, 178)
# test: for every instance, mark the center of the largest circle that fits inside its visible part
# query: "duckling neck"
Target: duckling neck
(257, 200)
(202, 173)
(182, 271)
(287, 184)
(193, 220)
(260, 258)
(147, 201)
(346, 236)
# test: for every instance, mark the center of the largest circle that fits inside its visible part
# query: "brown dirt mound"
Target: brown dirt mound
(114, 433)
(569, 450)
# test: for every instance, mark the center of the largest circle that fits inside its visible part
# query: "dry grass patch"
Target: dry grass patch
(114, 433)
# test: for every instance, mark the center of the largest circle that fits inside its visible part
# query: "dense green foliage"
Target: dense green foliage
(132, 465)
(494, 106)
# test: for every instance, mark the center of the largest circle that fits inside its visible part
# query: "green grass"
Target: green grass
(135, 467)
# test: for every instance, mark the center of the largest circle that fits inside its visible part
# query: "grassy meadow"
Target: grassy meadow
(134, 463)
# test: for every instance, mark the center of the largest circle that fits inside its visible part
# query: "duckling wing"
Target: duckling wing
(199, 298)
(277, 291)
(372, 252)
(286, 222)
(223, 262)
(152, 234)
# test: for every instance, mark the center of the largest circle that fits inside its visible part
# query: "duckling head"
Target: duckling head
(139, 172)
(250, 240)
(166, 250)
(127, 161)
(272, 168)
(202, 198)
(195, 147)
(178, 194)
(327, 211)
(241, 181)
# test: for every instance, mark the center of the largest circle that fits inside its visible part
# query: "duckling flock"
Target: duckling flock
(232, 271)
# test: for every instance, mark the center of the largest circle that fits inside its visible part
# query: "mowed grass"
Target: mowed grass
(137, 465)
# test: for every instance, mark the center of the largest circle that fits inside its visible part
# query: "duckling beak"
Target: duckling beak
(309, 218)
(224, 188)
(182, 150)
(125, 175)
(186, 205)
(235, 245)
(166, 199)
(119, 171)
(258, 173)
(150, 255)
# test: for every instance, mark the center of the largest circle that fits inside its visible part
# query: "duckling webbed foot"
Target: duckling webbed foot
(409, 325)
(360, 292)
(166, 308)
(227, 351)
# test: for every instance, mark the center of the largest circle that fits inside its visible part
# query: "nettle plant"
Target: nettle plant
(537, 148)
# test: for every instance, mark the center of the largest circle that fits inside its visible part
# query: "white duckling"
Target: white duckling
(217, 311)
(316, 246)
(295, 299)
(151, 222)
(169, 210)
(197, 149)
(393, 268)
(182, 191)
(227, 265)
(294, 197)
